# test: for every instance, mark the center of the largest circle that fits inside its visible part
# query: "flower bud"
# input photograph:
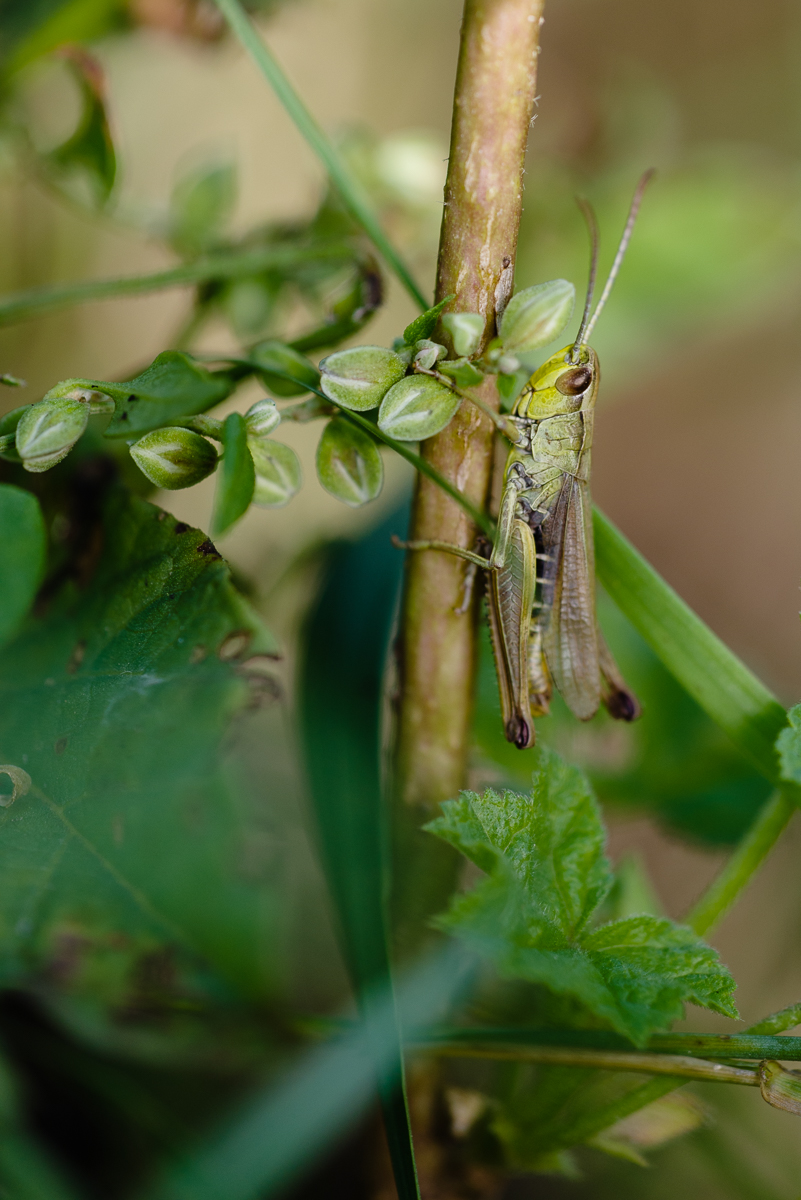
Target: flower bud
(174, 458)
(417, 408)
(428, 353)
(359, 378)
(278, 474)
(536, 316)
(262, 418)
(466, 331)
(48, 430)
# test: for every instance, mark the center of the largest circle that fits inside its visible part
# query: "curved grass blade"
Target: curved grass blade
(23, 558)
(346, 645)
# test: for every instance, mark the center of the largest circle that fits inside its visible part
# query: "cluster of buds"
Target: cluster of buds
(41, 435)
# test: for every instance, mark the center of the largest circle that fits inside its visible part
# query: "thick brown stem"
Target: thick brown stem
(493, 106)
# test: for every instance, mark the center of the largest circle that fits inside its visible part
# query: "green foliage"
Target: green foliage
(417, 408)
(174, 385)
(115, 701)
(23, 555)
(349, 464)
(200, 207)
(89, 152)
(788, 746)
(284, 371)
(424, 325)
(547, 877)
(236, 479)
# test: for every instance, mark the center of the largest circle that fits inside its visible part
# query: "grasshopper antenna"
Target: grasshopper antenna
(592, 228)
(621, 250)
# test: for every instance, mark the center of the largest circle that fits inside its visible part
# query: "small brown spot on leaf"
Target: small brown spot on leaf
(61, 745)
(77, 656)
(181, 527)
(209, 549)
(234, 645)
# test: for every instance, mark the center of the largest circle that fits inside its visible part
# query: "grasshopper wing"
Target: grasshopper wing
(570, 639)
(510, 598)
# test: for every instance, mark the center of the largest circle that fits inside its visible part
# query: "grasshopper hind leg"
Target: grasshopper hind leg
(540, 685)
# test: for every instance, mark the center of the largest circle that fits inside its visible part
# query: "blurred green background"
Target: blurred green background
(699, 427)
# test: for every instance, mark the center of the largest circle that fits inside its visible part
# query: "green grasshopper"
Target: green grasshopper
(541, 588)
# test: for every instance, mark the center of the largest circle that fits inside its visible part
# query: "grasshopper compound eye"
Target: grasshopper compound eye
(572, 383)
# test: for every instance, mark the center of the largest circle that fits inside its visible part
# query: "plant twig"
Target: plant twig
(349, 189)
(493, 105)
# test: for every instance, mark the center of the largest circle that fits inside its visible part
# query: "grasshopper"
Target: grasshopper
(541, 568)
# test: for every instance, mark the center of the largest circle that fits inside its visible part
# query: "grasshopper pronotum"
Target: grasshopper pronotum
(541, 590)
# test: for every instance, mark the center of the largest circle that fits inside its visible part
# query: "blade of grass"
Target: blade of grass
(349, 189)
(280, 1132)
(723, 686)
(19, 306)
(701, 1045)
(341, 692)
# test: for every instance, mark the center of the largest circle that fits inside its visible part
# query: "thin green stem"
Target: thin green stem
(744, 863)
(350, 191)
(678, 1066)
(21, 305)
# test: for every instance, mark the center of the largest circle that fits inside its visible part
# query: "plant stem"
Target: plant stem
(493, 106)
(744, 862)
(349, 189)
(21, 305)
(603, 1060)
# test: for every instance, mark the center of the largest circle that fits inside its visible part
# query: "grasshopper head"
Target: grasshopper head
(561, 385)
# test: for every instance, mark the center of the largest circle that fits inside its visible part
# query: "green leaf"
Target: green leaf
(537, 315)
(116, 703)
(416, 408)
(283, 370)
(349, 463)
(424, 325)
(721, 684)
(174, 385)
(200, 206)
(464, 373)
(278, 473)
(22, 560)
(788, 746)
(547, 876)
(236, 479)
(360, 377)
(89, 152)
(778, 1022)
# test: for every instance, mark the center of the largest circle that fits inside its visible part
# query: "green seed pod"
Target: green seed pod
(174, 458)
(278, 474)
(536, 316)
(466, 330)
(48, 430)
(349, 464)
(417, 408)
(283, 370)
(359, 378)
(262, 418)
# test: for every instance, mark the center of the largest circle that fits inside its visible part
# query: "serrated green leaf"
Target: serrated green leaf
(349, 463)
(547, 876)
(236, 477)
(200, 207)
(417, 408)
(23, 556)
(278, 473)
(174, 385)
(359, 378)
(116, 703)
(424, 325)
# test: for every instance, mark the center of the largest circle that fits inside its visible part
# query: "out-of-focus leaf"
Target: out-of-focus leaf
(200, 207)
(349, 314)
(89, 152)
(649, 1127)
(359, 378)
(416, 408)
(236, 479)
(283, 1129)
(778, 1022)
(349, 463)
(547, 877)
(341, 698)
(279, 365)
(30, 29)
(116, 702)
(22, 555)
(174, 385)
(26, 1171)
(278, 473)
(788, 746)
